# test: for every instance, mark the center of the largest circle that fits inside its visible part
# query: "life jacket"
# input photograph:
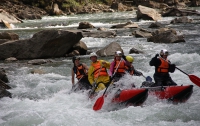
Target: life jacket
(98, 70)
(122, 67)
(164, 66)
(79, 71)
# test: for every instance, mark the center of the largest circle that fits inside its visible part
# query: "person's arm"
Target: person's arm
(155, 61)
(72, 73)
(127, 63)
(86, 67)
(172, 67)
(90, 75)
(137, 73)
(112, 68)
(105, 64)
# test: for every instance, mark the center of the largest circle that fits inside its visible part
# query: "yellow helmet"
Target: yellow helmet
(129, 59)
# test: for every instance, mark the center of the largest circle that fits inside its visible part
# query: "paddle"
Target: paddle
(193, 78)
(77, 83)
(99, 102)
(95, 85)
(148, 78)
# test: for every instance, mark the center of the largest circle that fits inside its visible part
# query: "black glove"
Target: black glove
(137, 73)
(111, 78)
(124, 57)
(172, 68)
(156, 55)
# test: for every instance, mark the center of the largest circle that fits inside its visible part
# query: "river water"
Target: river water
(44, 99)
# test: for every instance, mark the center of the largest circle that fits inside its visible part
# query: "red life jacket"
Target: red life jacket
(98, 70)
(164, 66)
(122, 67)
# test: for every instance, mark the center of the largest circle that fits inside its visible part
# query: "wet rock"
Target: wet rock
(39, 61)
(134, 50)
(85, 25)
(126, 25)
(156, 25)
(5, 93)
(37, 71)
(172, 11)
(9, 36)
(44, 44)
(165, 35)
(11, 59)
(110, 49)
(99, 34)
(5, 16)
(147, 13)
(183, 19)
(141, 33)
(3, 75)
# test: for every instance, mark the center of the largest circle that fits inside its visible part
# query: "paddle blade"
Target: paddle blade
(98, 104)
(149, 79)
(195, 79)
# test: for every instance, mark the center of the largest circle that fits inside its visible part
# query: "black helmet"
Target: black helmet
(75, 58)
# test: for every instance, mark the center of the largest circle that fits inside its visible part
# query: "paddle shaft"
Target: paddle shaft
(95, 85)
(112, 77)
(99, 102)
(175, 66)
(193, 78)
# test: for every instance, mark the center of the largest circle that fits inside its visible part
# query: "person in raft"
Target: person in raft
(131, 70)
(97, 73)
(162, 68)
(120, 65)
(80, 69)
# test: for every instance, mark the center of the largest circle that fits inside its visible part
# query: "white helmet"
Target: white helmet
(93, 54)
(118, 53)
(164, 52)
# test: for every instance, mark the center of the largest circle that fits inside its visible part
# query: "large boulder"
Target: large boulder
(5, 93)
(172, 11)
(165, 35)
(44, 44)
(110, 49)
(147, 13)
(7, 36)
(5, 16)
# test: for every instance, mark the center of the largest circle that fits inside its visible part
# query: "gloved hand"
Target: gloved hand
(110, 78)
(100, 87)
(172, 68)
(156, 55)
(124, 57)
(138, 73)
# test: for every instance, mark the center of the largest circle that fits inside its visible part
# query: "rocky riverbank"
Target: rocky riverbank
(31, 9)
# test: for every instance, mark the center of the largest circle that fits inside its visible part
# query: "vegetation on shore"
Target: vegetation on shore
(63, 4)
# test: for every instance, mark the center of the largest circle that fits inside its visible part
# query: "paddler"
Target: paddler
(97, 73)
(121, 65)
(162, 68)
(80, 70)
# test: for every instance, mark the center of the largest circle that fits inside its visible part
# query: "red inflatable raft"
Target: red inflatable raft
(133, 97)
(175, 94)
